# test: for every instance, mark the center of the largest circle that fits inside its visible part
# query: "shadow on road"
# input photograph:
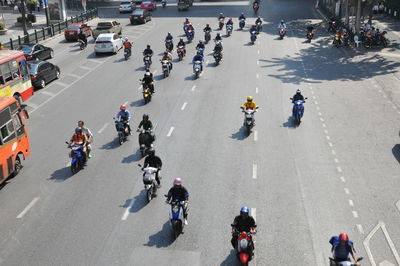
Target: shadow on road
(230, 260)
(290, 123)
(137, 103)
(396, 152)
(111, 145)
(135, 157)
(139, 202)
(240, 134)
(61, 175)
(161, 239)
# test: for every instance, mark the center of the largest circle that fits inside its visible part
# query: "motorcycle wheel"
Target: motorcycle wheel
(142, 152)
(120, 139)
(248, 130)
(196, 74)
(165, 74)
(75, 168)
(149, 194)
(298, 119)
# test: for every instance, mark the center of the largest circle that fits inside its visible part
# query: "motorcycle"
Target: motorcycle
(242, 23)
(258, 27)
(176, 217)
(145, 141)
(379, 40)
(201, 51)
(147, 92)
(310, 35)
(345, 263)
(298, 110)
(249, 118)
(169, 45)
(164, 3)
(336, 40)
(82, 44)
(165, 67)
(190, 35)
(77, 157)
(122, 131)
(255, 8)
(253, 37)
(245, 248)
(181, 52)
(149, 181)
(217, 57)
(282, 33)
(147, 61)
(332, 26)
(229, 28)
(197, 69)
(221, 23)
(127, 53)
(207, 36)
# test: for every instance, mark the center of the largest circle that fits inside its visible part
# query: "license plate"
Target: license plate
(71, 33)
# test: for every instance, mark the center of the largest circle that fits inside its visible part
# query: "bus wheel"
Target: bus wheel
(17, 166)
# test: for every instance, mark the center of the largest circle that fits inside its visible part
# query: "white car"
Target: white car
(107, 43)
(126, 6)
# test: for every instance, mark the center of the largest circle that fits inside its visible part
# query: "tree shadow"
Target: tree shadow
(241, 134)
(161, 239)
(61, 175)
(231, 259)
(290, 123)
(134, 157)
(396, 152)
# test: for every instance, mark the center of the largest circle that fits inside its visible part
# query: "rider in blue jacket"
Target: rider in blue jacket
(198, 57)
(342, 248)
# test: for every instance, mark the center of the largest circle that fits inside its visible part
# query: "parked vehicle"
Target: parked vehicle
(71, 32)
(107, 43)
(36, 51)
(148, 5)
(126, 7)
(42, 72)
(107, 27)
(140, 16)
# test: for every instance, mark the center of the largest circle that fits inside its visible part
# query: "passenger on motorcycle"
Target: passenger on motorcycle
(198, 57)
(148, 81)
(89, 137)
(243, 223)
(79, 139)
(167, 56)
(342, 248)
(229, 22)
(148, 52)
(221, 16)
(125, 116)
(190, 28)
(258, 20)
(153, 161)
(200, 45)
(179, 192)
(82, 37)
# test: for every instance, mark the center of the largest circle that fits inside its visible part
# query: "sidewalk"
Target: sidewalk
(10, 17)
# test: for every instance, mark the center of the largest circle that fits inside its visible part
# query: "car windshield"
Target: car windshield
(74, 27)
(146, 3)
(25, 49)
(138, 13)
(33, 68)
(125, 3)
(104, 24)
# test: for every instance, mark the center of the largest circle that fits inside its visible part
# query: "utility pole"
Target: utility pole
(46, 11)
(346, 11)
(24, 28)
(358, 18)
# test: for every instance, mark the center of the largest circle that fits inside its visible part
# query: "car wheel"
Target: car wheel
(96, 53)
(58, 74)
(42, 83)
(51, 54)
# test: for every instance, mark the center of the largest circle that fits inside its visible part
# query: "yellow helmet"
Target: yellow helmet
(249, 98)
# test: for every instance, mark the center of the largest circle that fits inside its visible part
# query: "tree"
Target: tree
(31, 5)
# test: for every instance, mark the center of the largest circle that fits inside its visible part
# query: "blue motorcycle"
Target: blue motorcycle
(176, 217)
(298, 110)
(77, 157)
(253, 37)
(190, 35)
(122, 131)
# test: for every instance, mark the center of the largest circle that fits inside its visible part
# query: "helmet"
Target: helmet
(177, 181)
(78, 130)
(282, 21)
(122, 107)
(169, 33)
(230, 19)
(165, 53)
(125, 39)
(298, 91)
(344, 237)
(148, 46)
(244, 211)
(187, 19)
(242, 14)
(218, 34)
(145, 116)
(208, 25)
(151, 152)
(147, 74)
(221, 14)
(249, 98)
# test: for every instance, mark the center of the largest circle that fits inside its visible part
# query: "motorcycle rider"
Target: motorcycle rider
(125, 116)
(218, 48)
(153, 161)
(229, 22)
(147, 125)
(282, 25)
(127, 45)
(167, 56)
(256, 5)
(207, 28)
(242, 16)
(169, 38)
(82, 37)
(89, 137)
(148, 81)
(148, 52)
(218, 38)
(181, 44)
(249, 104)
(190, 28)
(342, 248)
(243, 223)
(198, 57)
(298, 96)
(310, 29)
(179, 192)
(200, 45)
(79, 139)
(221, 16)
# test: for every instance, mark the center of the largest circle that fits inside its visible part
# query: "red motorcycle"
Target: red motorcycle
(245, 248)
(181, 52)
(282, 33)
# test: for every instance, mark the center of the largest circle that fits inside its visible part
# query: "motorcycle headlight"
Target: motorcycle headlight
(175, 208)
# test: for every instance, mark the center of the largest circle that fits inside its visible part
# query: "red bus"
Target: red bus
(14, 139)
(14, 75)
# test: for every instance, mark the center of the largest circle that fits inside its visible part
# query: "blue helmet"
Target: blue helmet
(244, 209)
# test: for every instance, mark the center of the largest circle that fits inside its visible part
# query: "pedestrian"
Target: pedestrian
(381, 8)
(375, 9)
(38, 6)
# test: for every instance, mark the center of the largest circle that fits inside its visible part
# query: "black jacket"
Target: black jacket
(243, 225)
(178, 193)
(153, 161)
(297, 97)
(148, 52)
(207, 29)
(242, 17)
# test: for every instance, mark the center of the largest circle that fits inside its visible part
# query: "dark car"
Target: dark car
(36, 51)
(42, 72)
(140, 16)
(71, 32)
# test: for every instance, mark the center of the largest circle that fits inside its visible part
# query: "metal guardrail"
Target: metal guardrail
(50, 31)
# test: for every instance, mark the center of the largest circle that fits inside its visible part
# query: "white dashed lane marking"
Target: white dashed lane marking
(351, 203)
(355, 214)
(255, 135)
(194, 87)
(170, 131)
(343, 179)
(27, 208)
(183, 106)
(102, 128)
(254, 171)
(346, 190)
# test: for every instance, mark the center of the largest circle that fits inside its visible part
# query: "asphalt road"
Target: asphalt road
(338, 171)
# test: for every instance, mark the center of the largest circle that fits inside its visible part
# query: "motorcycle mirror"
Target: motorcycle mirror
(306, 98)
(291, 98)
(66, 142)
(360, 258)
(139, 165)
(165, 195)
(257, 107)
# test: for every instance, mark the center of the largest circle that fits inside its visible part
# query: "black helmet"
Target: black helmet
(148, 46)
(152, 152)
(145, 116)
(208, 25)
(282, 21)
(218, 34)
(181, 39)
(78, 130)
(298, 91)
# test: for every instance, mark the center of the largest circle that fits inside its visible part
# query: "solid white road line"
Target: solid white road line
(194, 87)
(102, 128)
(170, 131)
(27, 208)
(254, 171)
(255, 135)
(47, 93)
(183, 106)
(253, 212)
(127, 211)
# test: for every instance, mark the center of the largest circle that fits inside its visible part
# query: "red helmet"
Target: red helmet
(344, 237)
(122, 107)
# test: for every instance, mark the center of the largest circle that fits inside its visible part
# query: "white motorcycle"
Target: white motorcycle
(344, 263)
(229, 28)
(197, 68)
(249, 118)
(149, 181)
(165, 67)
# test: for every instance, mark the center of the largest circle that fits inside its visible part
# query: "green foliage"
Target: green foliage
(31, 18)
(2, 26)
(393, 3)
(19, 19)
(31, 5)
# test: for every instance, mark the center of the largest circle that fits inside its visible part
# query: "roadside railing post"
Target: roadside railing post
(11, 44)
(44, 34)
(36, 38)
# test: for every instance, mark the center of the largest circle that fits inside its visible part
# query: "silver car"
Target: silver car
(108, 43)
(126, 6)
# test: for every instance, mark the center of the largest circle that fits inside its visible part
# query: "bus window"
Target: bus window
(24, 69)
(5, 68)
(18, 124)
(14, 69)
(7, 132)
